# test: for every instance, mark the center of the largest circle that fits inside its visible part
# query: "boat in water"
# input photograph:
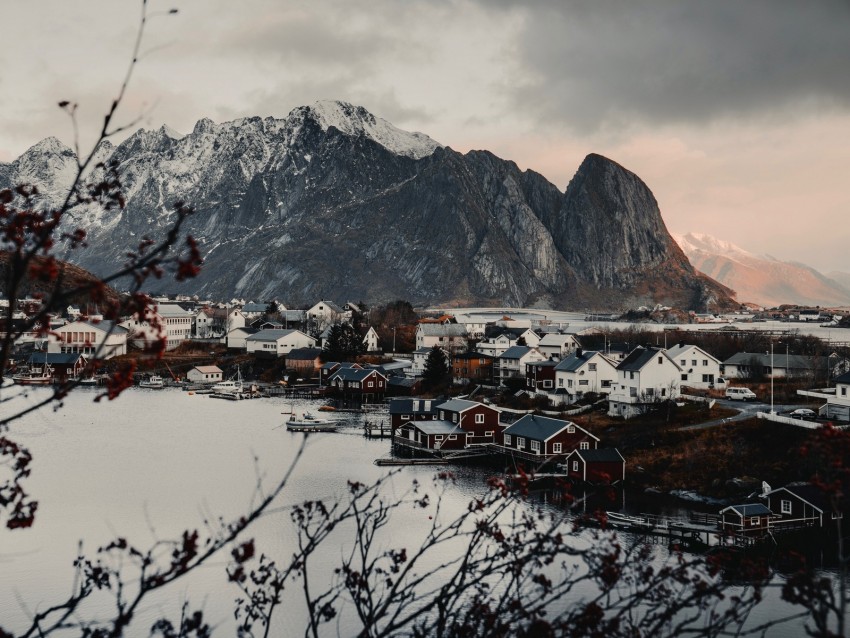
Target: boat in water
(153, 382)
(309, 423)
(33, 378)
(231, 386)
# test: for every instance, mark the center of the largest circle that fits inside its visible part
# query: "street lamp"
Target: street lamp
(393, 339)
(772, 411)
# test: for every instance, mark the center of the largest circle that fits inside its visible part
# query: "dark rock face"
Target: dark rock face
(332, 202)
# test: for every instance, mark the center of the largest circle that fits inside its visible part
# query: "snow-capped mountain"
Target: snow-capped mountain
(761, 279)
(333, 202)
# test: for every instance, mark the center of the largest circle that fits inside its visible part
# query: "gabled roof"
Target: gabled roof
(515, 352)
(639, 357)
(442, 329)
(576, 360)
(172, 310)
(748, 509)
(353, 374)
(460, 405)
(340, 364)
(541, 428)
(811, 494)
(406, 405)
(248, 330)
(681, 348)
(780, 360)
(330, 305)
(463, 356)
(304, 354)
(599, 455)
(844, 378)
(272, 335)
(55, 358)
(255, 307)
(208, 369)
(549, 363)
(104, 324)
(555, 339)
(436, 427)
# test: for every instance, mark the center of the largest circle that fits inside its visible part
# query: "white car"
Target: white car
(740, 394)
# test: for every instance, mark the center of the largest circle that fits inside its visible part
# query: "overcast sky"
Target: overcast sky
(736, 114)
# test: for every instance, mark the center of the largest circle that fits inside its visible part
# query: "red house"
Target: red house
(403, 410)
(540, 439)
(359, 384)
(450, 425)
(540, 375)
(604, 466)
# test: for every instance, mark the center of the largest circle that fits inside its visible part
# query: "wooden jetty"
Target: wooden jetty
(311, 428)
(377, 430)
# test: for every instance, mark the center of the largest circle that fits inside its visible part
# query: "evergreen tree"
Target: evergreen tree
(343, 343)
(437, 370)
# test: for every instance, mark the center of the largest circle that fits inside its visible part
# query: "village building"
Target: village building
(204, 374)
(472, 367)
(305, 361)
(749, 519)
(499, 338)
(411, 409)
(645, 378)
(754, 365)
(210, 323)
(329, 368)
(540, 376)
(96, 339)
(237, 339)
(324, 314)
(699, 368)
(61, 366)
(371, 341)
(511, 363)
(541, 439)
(558, 344)
(174, 325)
(800, 505)
(456, 424)
(581, 372)
(277, 343)
(602, 466)
(451, 337)
(359, 384)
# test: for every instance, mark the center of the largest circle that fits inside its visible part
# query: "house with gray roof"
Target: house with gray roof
(95, 339)
(359, 384)
(277, 343)
(511, 363)
(646, 378)
(542, 439)
(700, 369)
(451, 337)
(581, 372)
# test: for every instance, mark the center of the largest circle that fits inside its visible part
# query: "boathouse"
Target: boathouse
(602, 466)
(800, 505)
(204, 374)
(751, 519)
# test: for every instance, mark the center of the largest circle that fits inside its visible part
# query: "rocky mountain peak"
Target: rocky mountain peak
(356, 121)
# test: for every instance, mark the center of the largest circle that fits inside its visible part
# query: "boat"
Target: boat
(153, 382)
(231, 386)
(309, 423)
(33, 378)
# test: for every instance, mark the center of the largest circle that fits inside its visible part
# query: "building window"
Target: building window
(583, 382)
(535, 447)
(591, 367)
(693, 362)
(452, 437)
(507, 439)
(556, 448)
(584, 445)
(684, 377)
(370, 384)
(631, 375)
(575, 466)
(606, 383)
(438, 437)
(571, 429)
(560, 383)
(479, 418)
(547, 383)
(786, 507)
(633, 392)
(705, 362)
(520, 442)
(490, 433)
(660, 360)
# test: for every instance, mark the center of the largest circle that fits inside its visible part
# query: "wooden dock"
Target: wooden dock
(397, 461)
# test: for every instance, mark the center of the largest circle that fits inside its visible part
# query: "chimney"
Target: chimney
(579, 352)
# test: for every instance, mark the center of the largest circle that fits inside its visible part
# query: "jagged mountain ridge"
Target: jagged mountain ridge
(761, 279)
(333, 202)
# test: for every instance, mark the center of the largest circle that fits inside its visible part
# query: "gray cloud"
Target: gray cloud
(607, 63)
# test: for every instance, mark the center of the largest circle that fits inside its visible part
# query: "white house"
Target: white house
(583, 371)
(237, 339)
(645, 377)
(557, 344)
(371, 341)
(699, 368)
(278, 342)
(451, 337)
(204, 374)
(324, 314)
(511, 363)
(101, 339)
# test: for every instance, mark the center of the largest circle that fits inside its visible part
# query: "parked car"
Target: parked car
(740, 394)
(803, 413)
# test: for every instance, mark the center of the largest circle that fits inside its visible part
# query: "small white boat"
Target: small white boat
(309, 422)
(153, 382)
(231, 386)
(33, 378)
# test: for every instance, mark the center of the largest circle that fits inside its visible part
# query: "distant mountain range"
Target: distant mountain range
(332, 202)
(762, 279)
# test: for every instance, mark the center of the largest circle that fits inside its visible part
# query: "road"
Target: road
(746, 410)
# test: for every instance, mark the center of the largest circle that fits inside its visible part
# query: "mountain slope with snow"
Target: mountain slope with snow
(333, 202)
(761, 279)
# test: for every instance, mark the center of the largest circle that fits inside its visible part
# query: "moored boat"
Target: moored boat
(153, 382)
(309, 423)
(230, 386)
